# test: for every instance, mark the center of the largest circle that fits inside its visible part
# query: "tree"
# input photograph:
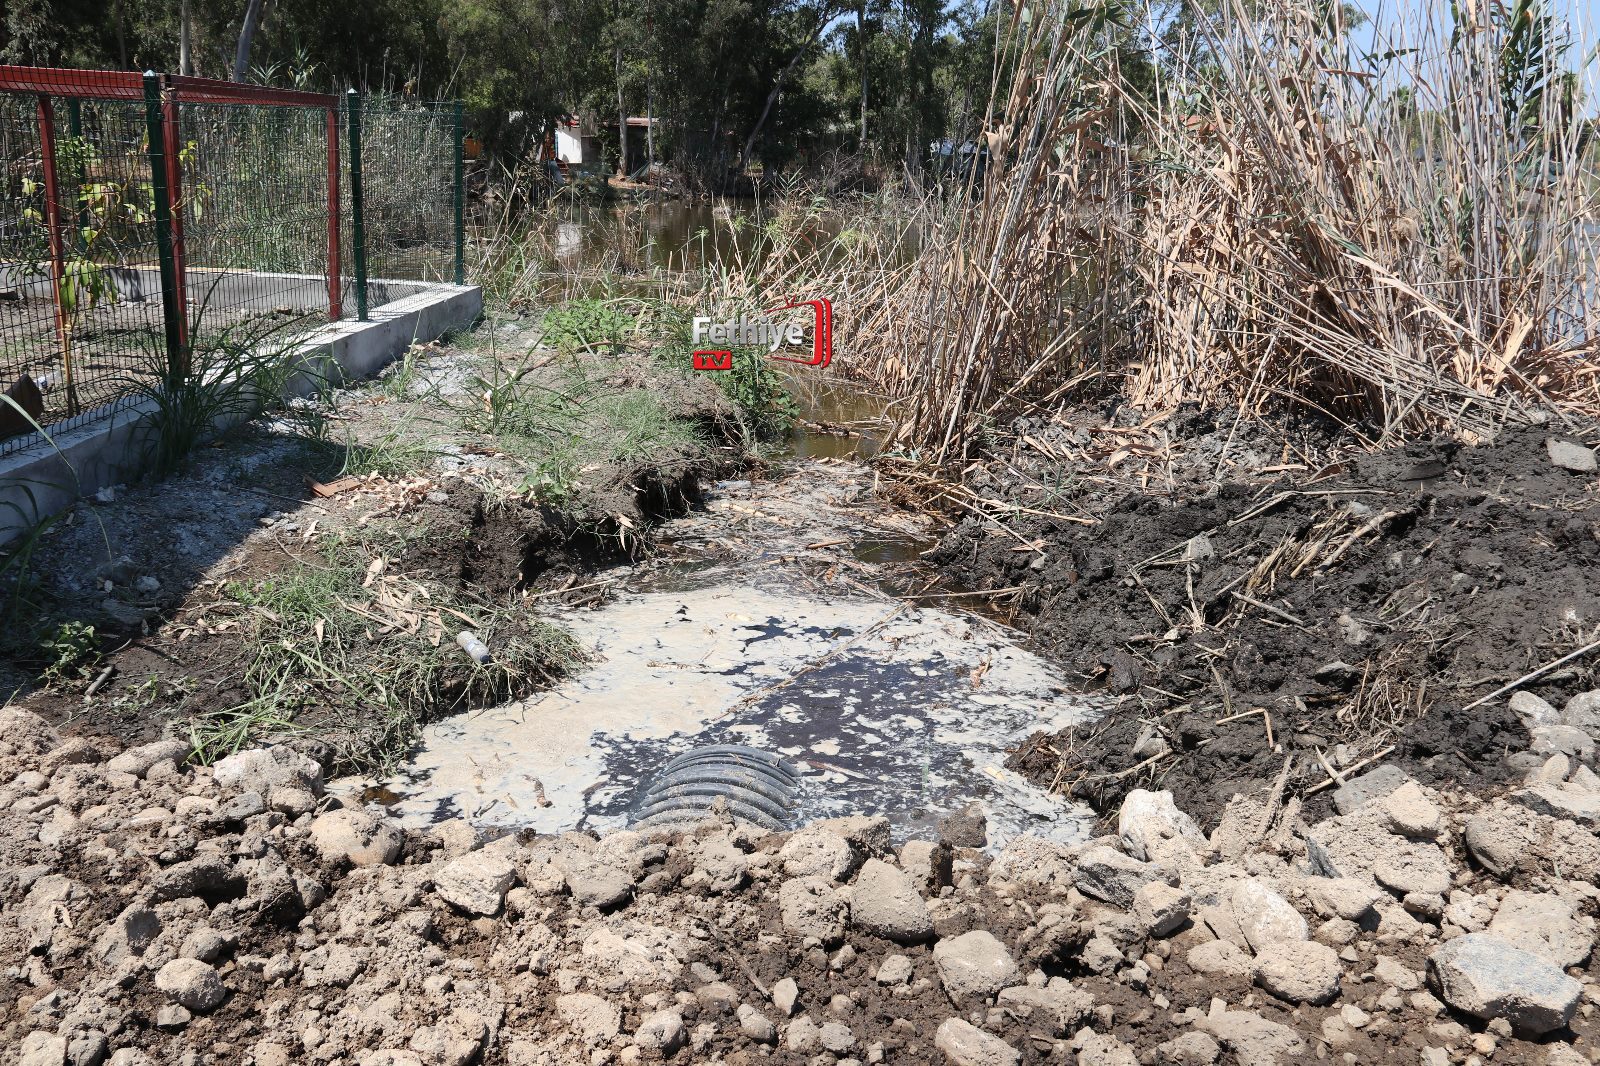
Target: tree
(817, 16)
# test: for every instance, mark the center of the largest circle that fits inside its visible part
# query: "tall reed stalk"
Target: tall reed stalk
(1406, 241)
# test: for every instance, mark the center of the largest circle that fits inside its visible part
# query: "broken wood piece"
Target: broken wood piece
(344, 484)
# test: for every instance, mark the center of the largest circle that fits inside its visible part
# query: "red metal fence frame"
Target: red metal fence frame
(45, 82)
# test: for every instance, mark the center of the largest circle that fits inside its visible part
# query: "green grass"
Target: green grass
(396, 454)
(318, 655)
(567, 421)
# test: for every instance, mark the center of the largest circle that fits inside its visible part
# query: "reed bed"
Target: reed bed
(1406, 241)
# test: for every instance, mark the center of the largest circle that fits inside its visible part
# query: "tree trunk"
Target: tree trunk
(247, 36)
(185, 40)
(825, 15)
(122, 34)
(861, 44)
(622, 119)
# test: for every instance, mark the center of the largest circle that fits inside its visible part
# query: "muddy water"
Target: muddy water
(763, 620)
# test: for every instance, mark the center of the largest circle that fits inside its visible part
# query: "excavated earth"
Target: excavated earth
(157, 912)
(1317, 844)
(1300, 620)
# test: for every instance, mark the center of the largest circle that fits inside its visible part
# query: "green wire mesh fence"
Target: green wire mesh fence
(145, 219)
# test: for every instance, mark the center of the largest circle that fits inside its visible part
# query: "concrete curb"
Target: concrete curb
(46, 477)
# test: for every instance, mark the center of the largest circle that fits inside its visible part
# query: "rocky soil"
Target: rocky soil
(157, 912)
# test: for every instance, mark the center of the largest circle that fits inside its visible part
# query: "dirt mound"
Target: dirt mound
(153, 911)
(1328, 615)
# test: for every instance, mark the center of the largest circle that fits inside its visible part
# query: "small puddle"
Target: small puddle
(885, 708)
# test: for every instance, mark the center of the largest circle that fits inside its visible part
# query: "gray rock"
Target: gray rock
(1299, 971)
(966, 828)
(1532, 710)
(356, 836)
(756, 1026)
(1152, 828)
(1350, 898)
(1561, 801)
(1219, 958)
(868, 834)
(721, 865)
(173, 1016)
(191, 984)
(784, 995)
(964, 1044)
(816, 852)
(894, 970)
(1497, 838)
(130, 1057)
(1553, 771)
(974, 966)
(1101, 955)
(129, 933)
(1100, 1049)
(1411, 813)
(1581, 712)
(661, 1032)
(812, 906)
(1374, 784)
(1190, 1049)
(244, 805)
(1264, 916)
(40, 1048)
(884, 901)
(593, 881)
(1412, 867)
(802, 1035)
(1033, 860)
(1108, 875)
(928, 863)
(1488, 978)
(596, 1020)
(1160, 908)
(1569, 455)
(86, 1050)
(210, 877)
(1254, 1040)
(836, 1037)
(141, 760)
(1565, 740)
(280, 774)
(1056, 1006)
(476, 882)
(1546, 925)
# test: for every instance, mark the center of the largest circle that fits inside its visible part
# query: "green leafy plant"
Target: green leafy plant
(586, 325)
(68, 649)
(756, 386)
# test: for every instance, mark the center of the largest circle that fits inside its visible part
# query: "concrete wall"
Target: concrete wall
(46, 477)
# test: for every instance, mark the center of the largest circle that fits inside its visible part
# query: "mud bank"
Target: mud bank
(1291, 626)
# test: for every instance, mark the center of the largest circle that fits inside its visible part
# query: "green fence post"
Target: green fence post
(75, 131)
(358, 217)
(461, 199)
(171, 310)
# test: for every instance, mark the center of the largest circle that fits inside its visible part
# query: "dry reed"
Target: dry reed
(1406, 242)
